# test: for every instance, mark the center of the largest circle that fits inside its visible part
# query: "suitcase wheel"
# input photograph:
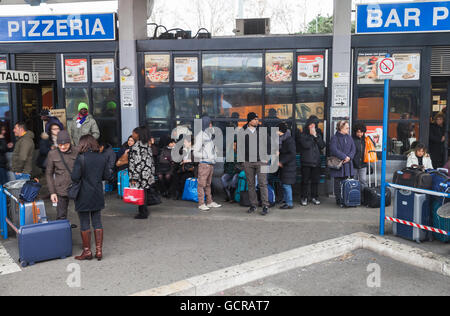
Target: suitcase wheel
(23, 264)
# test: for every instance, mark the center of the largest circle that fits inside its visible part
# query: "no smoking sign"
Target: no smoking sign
(386, 68)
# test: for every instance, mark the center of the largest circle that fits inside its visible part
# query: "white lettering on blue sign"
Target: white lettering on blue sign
(58, 28)
(403, 17)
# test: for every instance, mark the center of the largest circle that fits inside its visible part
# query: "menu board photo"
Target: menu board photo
(157, 69)
(279, 67)
(2, 64)
(367, 68)
(310, 68)
(186, 69)
(103, 70)
(407, 66)
(76, 70)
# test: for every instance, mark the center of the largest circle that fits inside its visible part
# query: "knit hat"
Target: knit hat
(63, 138)
(82, 105)
(251, 116)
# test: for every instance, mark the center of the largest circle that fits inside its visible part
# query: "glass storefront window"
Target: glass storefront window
(279, 102)
(232, 102)
(404, 103)
(108, 129)
(310, 101)
(229, 69)
(105, 102)
(187, 101)
(75, 96)
(157, 103)
(4, 103)
(158, 129)
(370, 103)
(401, 136)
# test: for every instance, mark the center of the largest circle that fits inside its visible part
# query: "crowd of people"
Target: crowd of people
(77, 156)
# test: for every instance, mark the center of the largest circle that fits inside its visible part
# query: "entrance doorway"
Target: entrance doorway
(440, 100)
(33, 99)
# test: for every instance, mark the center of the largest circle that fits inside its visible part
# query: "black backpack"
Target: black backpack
(30, 191)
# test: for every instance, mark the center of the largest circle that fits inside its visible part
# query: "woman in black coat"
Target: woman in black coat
(91, 169)
(311, 146)
(287, 164)
(437, 141)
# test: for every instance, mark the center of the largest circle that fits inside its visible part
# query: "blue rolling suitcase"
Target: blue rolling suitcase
(46, 241)
(411, 207)
(123, 181)
(351, 192)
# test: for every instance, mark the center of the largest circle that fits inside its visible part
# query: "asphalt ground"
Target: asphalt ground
(179, 242)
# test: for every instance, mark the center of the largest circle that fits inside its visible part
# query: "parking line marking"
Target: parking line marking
(7, 264)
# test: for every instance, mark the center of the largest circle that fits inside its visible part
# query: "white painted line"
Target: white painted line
(224, 279)
(7, 264)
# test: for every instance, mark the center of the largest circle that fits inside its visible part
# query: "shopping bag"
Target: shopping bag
(134, 196)
(190, 190)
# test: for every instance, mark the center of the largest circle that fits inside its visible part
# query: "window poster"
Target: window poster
(376, 134)
(310, 68)
(407, 66)
(157, 69)
(279, 67)
(103, 70)
(304, 110)
(2, 64)
(367, 68)
(186, 69)
(76, 70)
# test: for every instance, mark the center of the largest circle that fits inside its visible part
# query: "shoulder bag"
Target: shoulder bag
(334, 163)
(74, 187)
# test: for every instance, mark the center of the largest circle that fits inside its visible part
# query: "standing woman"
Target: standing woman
(140, 166)
(287, 164)
(342, 147)
(90, 169)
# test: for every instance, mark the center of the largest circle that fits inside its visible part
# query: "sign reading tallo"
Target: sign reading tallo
(403, 17)
(83, 27)
(12, 76)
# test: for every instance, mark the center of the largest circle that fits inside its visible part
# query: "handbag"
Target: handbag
(134, 196)
(123, 160)
(30, 191)
(74, 187)
(334, 163)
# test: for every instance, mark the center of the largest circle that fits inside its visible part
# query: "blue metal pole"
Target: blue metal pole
(384, 155)
(22, 214)
(3, 213)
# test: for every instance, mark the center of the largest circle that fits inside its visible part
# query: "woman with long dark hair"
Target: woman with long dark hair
(90, 169)
(141, 167)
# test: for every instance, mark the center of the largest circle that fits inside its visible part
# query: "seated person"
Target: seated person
(122, 155)
(166, 168)
(419, 158)
(187, 168)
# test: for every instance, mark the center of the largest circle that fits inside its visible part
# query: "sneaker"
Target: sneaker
(304, 202)
(286, 207)
(315, 201)
(265, 211)
(140, 216)
(204, 208)
(213, 205)
(252, 209)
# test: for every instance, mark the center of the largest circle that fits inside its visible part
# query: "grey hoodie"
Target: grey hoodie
(204, 148)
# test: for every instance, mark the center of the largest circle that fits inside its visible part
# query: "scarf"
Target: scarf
(81, 118)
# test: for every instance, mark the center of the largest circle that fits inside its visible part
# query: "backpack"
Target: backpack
(30, 191)
(242, 186)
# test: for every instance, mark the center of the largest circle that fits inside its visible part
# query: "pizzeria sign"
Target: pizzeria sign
(13, 76)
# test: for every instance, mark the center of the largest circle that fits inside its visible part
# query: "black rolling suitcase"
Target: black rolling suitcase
(372, 195)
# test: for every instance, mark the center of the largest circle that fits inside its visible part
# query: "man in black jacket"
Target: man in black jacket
(311, 146)
(437, 141)
(359, 138)
(254, 160)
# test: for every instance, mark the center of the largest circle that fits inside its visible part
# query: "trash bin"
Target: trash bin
(441, 220)
(14, 187)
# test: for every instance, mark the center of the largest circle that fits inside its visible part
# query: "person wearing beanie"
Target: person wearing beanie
(311, 145)
(287, 164)
(60, 162)
(83, 124)
(253, 163)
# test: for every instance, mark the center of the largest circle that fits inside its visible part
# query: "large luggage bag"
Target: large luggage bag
(411, 207)
(371, 196)
(351, 193)
(123, 181)
(413, 177)
(34, 213)
(45, 241)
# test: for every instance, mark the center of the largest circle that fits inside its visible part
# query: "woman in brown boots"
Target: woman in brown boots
(90, 168)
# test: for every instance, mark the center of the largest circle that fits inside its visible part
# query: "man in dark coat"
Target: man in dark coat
(311, 146)
(437, 141)
(287, 164)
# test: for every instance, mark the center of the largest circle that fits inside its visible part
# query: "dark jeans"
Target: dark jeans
(86, 218)
(310, 175)
(3, 176)
(62, 207)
